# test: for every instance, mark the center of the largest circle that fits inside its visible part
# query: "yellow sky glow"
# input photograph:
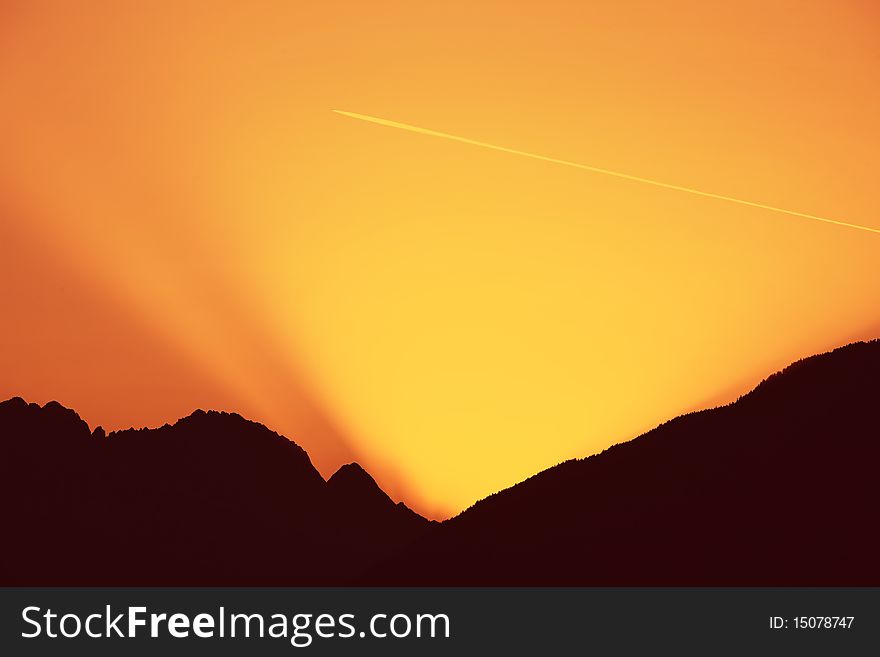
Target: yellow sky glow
(184, 223)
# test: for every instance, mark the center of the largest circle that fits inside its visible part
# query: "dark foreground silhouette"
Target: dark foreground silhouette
(779, 488)
(214, 499)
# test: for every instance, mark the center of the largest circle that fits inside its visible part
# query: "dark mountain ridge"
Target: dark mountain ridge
(211, 499)
(777, 488)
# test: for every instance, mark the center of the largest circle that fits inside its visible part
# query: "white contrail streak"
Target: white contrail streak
(607, 172)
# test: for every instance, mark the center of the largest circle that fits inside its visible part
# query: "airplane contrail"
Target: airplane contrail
(607, 172)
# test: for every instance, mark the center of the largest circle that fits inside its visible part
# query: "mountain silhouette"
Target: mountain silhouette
(777, 488)
(367, 512)
(212, 499)
(358, 498)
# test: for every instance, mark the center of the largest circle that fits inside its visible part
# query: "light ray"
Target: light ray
(607, 172)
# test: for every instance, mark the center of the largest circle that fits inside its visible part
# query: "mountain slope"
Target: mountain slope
(366, 512)
(778, 488)
(212, 499)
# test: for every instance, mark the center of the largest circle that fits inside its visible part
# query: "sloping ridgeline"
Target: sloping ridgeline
(213, 499)
(779, 488)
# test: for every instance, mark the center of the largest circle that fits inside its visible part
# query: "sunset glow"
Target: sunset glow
(187, 223)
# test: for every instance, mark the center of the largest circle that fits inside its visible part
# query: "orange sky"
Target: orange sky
(185, 223)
